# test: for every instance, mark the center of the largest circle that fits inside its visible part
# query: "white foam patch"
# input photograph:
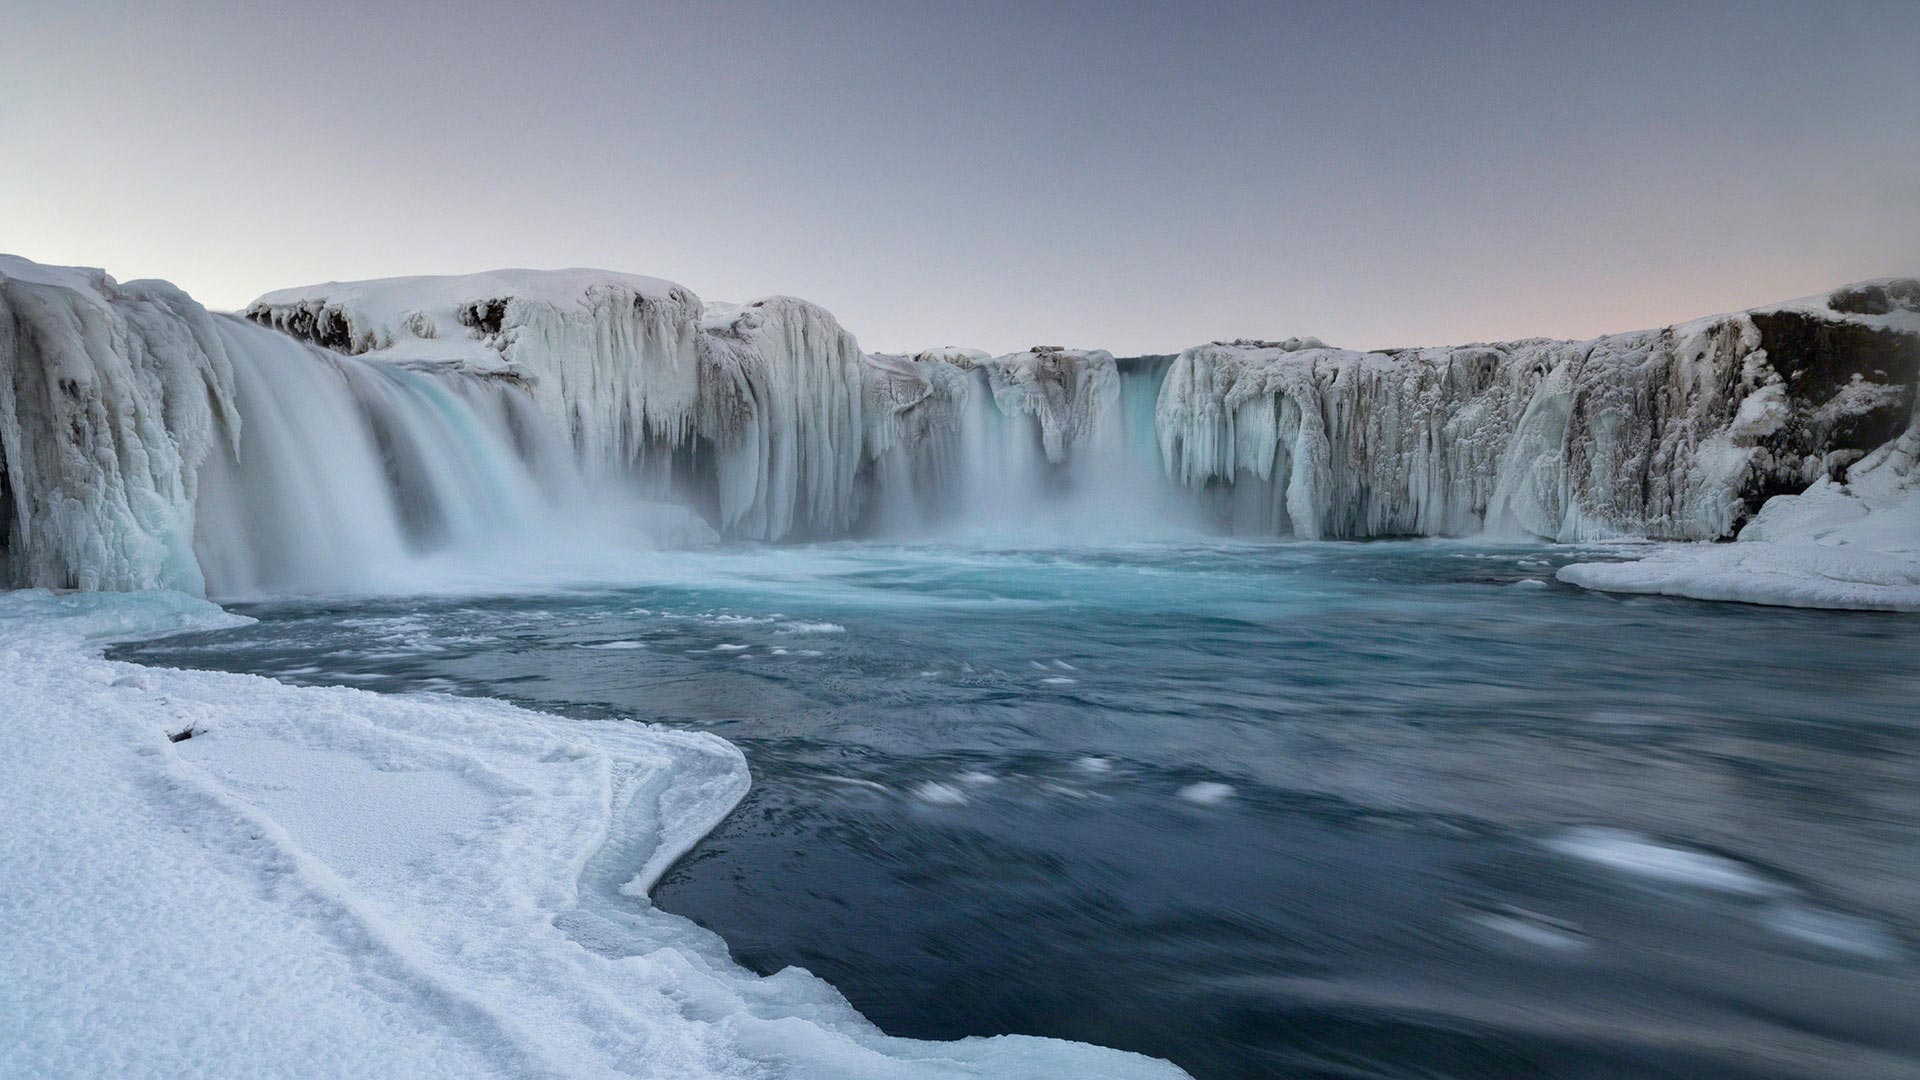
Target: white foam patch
(1207, 793)
(800, 627)
(616, 646)
(1533, 928)
(1848, 934)
(377, 886)
(852, 781)
(940, 794)
(1636, 855)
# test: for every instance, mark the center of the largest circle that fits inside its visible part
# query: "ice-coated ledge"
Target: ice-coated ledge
(1850, 544)
(148, 443)
(211, 874)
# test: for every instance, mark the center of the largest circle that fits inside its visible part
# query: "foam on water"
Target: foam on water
(1638, 856)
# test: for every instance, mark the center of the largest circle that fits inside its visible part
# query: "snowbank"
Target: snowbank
(218, 875)
(1840, 544)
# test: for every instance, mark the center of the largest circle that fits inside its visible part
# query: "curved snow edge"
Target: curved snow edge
(382, 880)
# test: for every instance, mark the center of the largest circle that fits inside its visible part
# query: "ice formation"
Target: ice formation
(1072, 393)
(783, 405)
(613, 358)
(149, 443)
(1848, 543)
(1678, 433)
(211, 874)
(108, 400)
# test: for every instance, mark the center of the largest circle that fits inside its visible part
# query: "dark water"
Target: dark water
(1314, 810)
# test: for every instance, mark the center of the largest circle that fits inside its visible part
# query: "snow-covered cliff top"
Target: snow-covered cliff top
(79, 278)
(447, 318)
(399, 296)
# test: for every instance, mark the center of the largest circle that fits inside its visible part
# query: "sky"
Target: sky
(1135, 177)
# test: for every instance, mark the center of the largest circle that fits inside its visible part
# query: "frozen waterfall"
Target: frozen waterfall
(373, 434)
(151, 444)
(1679, 433)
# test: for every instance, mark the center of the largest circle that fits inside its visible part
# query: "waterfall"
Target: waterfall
(344, 467)
(1049, 444)
(399, 434)
(150, 444)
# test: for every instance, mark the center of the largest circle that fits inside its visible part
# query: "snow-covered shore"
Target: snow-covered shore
(1852, 544)
(322, 882)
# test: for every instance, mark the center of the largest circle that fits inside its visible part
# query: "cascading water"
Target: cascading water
(368, 435)
(150, 444)
(345, 469)
(1043, 445)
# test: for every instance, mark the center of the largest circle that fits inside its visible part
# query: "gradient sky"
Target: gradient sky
(1138, 177)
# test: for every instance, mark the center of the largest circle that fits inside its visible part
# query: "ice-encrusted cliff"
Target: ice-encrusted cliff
(108, 400)
(1848, 541)
(353, 428)
(148, 443)
(782, 403)
(1678, 433)
(1072, 393)
(756, 412)
(612, 358)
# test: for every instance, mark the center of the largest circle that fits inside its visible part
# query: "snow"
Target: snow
(612, 358)
(327, 882)
(1852, 544)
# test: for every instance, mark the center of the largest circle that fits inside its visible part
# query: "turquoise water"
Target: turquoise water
(1325, 810)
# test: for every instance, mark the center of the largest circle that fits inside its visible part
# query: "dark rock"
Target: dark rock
(1877, 298)
(486, 316)
(1819, 358)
